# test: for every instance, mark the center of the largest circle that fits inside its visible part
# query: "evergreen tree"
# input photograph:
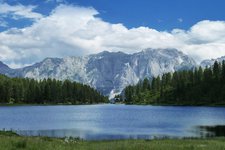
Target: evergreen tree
(193, 87)
(18, 90)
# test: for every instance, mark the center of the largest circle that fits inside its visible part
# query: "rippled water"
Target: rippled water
(97, 122)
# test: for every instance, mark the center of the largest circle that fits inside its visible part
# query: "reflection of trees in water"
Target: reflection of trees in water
(211, 131)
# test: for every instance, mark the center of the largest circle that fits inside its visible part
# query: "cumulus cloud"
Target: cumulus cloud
(19, 11)
(76, 31)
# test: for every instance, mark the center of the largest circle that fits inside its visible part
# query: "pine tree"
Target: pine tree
(193, 87)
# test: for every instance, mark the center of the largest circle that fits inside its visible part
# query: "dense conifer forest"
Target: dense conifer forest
(188, 87)
(47, 91)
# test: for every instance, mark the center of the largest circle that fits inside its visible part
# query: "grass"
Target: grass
(11, 141)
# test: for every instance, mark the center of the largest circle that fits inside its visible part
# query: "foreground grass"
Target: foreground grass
(11, 141)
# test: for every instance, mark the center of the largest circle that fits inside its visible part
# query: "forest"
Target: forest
(188, 87)
(46, 91)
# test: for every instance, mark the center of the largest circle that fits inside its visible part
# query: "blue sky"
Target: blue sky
(31, 30)
(157, 14)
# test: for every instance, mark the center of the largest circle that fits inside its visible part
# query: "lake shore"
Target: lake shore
(140, 104)
(49, 104)
(10, 140)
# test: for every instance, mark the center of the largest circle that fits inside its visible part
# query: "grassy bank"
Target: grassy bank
(11, 141)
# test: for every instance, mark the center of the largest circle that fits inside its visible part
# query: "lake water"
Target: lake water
(108, 121)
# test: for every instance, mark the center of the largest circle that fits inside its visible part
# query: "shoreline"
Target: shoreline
(24, 104)
(138, 104)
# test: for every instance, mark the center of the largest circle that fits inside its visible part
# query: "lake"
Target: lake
(108, 121)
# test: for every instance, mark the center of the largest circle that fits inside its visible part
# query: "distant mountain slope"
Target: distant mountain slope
(4, 68)
(210, 62)
(109, 72)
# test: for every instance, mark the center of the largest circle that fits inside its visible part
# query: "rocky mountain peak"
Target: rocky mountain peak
(109, 72)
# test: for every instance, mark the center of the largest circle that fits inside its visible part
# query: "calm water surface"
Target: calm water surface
(97, 122)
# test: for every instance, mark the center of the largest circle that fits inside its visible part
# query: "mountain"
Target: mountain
(210, 62)
(4, 68)
(109, 72)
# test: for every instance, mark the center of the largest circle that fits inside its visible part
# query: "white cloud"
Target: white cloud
(56, 1)
(73, 30)
(19, 11)
(208, 31)
(180, 20)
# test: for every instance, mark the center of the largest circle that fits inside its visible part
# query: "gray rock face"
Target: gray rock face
(4, 68)
(109, 72)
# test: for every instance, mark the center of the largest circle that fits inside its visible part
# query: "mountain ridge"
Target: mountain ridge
(108, 72)
(4, 67)
(210, 62)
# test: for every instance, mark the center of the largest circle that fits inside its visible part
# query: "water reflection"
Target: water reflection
(84, 134)
(211, 131)
(199, 131)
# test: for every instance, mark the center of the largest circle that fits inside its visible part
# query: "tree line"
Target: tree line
(188, 87)
(46, 91)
